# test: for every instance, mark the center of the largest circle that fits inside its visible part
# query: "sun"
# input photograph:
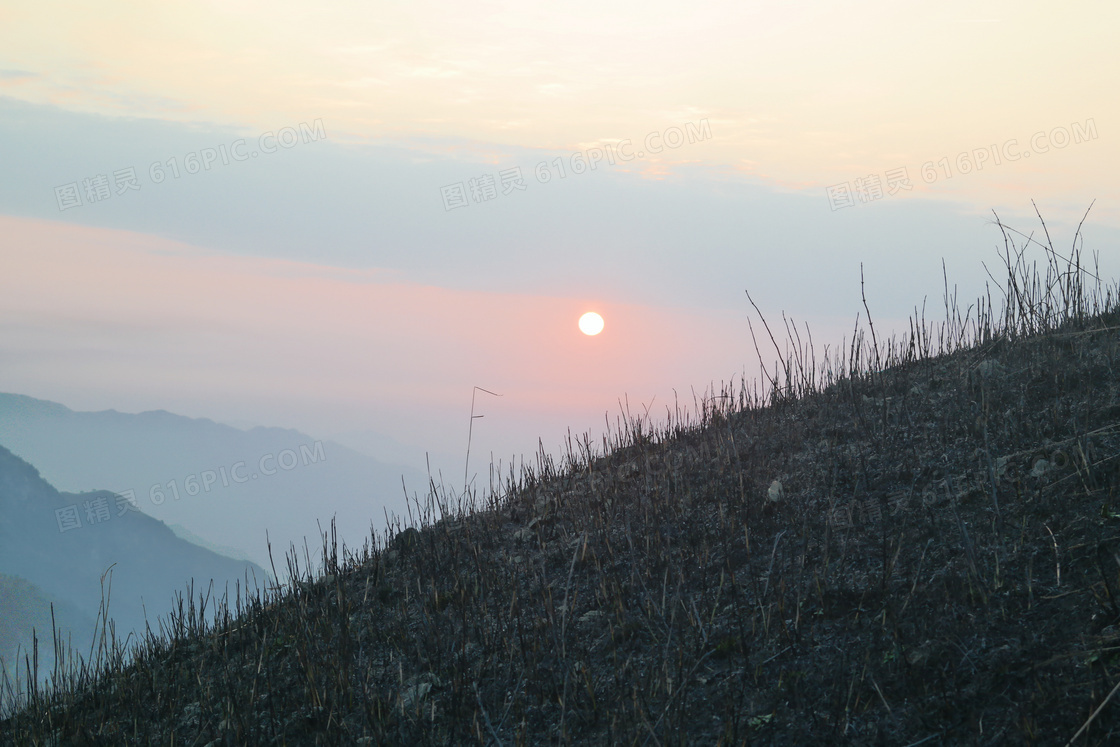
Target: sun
(591, 323)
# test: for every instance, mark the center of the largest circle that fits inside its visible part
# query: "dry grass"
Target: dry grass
(940, 564)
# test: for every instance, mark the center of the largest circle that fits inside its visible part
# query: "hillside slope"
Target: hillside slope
(923, 554)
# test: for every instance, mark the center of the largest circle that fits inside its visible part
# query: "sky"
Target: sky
(343, 217)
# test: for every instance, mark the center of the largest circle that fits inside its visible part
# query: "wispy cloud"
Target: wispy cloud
(868, 79)
(136, 313)
(17, 75)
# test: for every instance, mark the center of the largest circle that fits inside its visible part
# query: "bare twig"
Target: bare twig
(1093, 715)
(470, 432)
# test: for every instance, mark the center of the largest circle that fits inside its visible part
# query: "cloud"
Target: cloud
(146, 322)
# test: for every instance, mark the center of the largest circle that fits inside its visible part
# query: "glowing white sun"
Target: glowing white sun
(591, 323)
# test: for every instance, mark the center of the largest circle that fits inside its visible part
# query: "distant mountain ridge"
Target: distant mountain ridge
(57, 546)
(26, 611)
(221, 485)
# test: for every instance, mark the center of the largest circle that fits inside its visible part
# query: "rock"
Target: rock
(410, 696)
(406, 539)
(988, 369)
(192, 712)
(917, 657)
(417, 688)
(775, 492)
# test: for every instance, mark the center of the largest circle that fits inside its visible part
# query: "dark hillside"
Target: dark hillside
(916, 544)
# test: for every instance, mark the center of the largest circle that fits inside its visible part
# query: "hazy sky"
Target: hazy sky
(308, 216)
